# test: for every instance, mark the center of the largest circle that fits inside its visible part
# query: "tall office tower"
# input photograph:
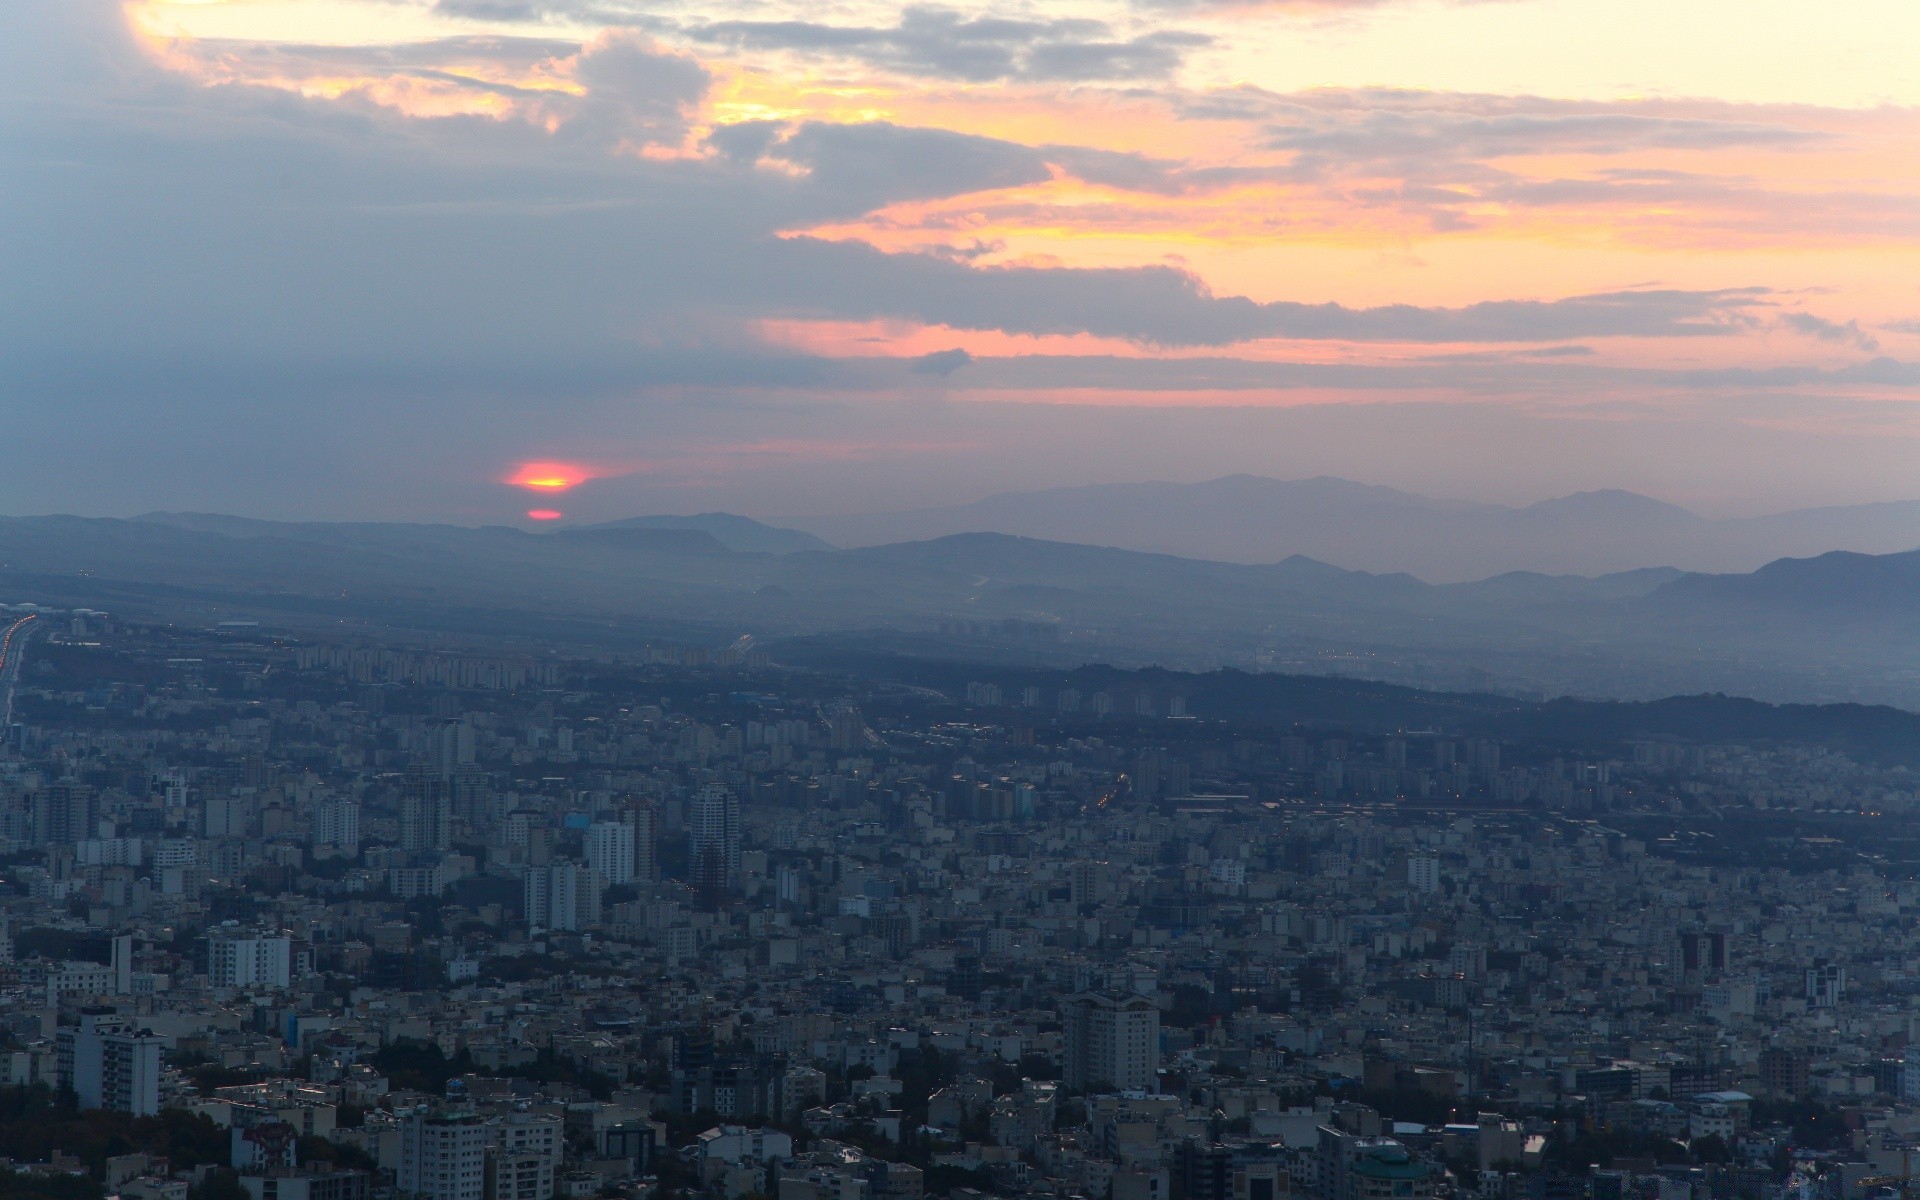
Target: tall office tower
(239, 957)
(443, 1156)
(64, 813)
(1110, 1042)
(450, 746)
(337, 823)
(563, 895)
(610, 850)
(425, 820)
(109, 1064)
(713, 843)
(645, 819)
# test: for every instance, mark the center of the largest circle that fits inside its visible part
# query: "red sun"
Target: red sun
(544, 514)
(551, 477)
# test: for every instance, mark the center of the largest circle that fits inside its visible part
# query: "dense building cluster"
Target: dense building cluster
(454, 923)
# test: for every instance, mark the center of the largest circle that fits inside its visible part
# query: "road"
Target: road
(13, 650)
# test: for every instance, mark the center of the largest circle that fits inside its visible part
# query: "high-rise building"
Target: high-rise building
(1423, 872)
(109, 1064)
(610, 850)
(171, 787)
(425, 813)
(517, 1175)
(1826, 984)
(226, 815)
(645, 819)
(525, 1157)
(1704, 951)
(450, 747)
(467, 790)
(238, 957)
(846, 730)
(108, 852)
(337, 823)
(64, 813)
(563, 895)
(1784, 1071)
(1110, 1042)
(713, 843)
(1148, 768)
(443, 1156)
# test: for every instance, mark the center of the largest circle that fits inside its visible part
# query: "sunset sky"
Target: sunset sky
(468, 259)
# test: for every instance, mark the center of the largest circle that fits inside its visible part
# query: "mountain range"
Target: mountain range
(1840, 626)
(1252, 519)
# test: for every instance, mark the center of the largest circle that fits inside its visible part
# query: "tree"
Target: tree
(1710, 1149)
(310, 1149)
(220, 1185)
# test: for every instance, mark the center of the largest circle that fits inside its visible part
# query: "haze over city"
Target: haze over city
(964, 600)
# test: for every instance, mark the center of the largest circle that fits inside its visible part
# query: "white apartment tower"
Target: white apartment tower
(110, 1065)
(248, 958)
(337, 823)
(1110, 1042)
(443, 1156)
(563, 895)
(610, 850)
(1423, 872)
(451, 746)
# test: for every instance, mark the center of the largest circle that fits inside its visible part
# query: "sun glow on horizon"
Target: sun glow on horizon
(551, 477)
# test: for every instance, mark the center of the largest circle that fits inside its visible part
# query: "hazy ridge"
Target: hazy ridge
(1840, 626)
(1252, 519)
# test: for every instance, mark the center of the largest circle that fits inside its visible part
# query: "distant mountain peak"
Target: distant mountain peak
(1611, 504)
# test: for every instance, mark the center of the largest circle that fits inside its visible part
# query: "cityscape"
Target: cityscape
(308, 920)
(959, 600)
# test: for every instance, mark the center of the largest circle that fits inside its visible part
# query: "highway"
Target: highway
(13, 649)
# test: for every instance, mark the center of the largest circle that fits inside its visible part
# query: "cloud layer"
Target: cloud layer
(565, 229)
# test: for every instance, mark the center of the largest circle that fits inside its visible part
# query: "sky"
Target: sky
(472, 260)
